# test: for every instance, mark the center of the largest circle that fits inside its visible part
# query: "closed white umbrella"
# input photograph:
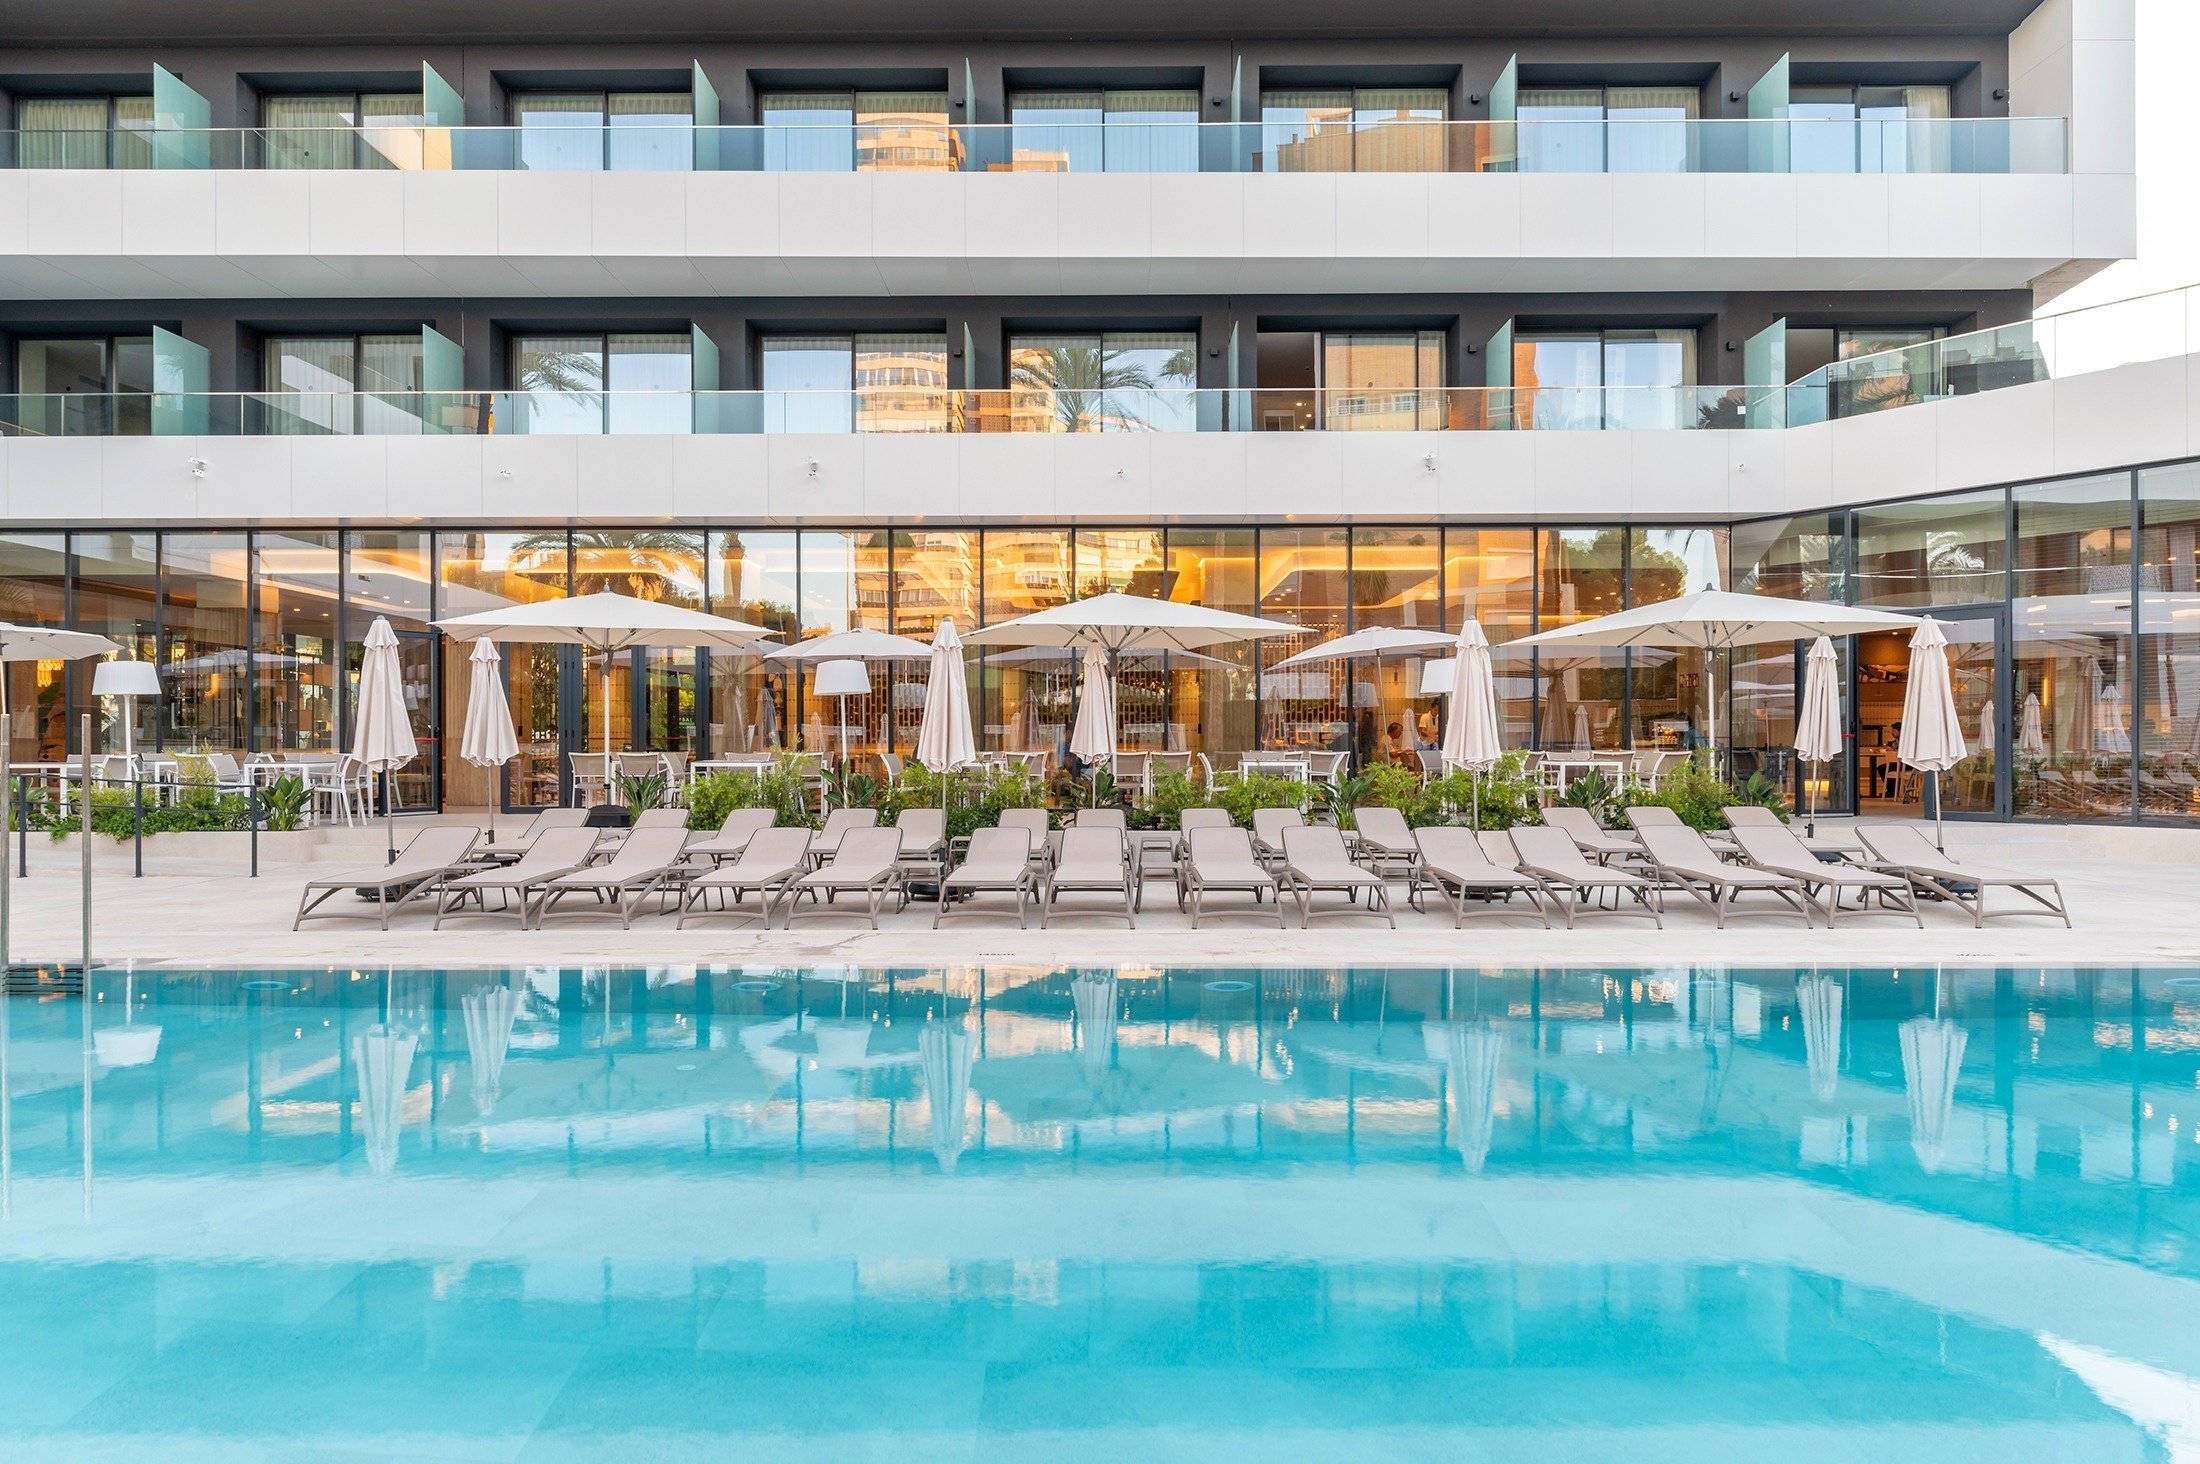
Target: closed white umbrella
(1718, 620)
(382, 1059)
(488, 740)
(1932, 728)
(944, 736)
(2032, 734)
(1819, 725)
(1820, 1000)
(489, 1016)
(381, 733)
(1092, 739)
(2111, 735)
(946, 1051)
(1472, 1052)
(1094, 995)
(1471, 736)
(30, 643)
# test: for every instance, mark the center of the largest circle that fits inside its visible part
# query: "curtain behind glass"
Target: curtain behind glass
(557, 384)
(62, 132)
(392, 130)
(1398, 129)
(806, 381)
(1561, 129)
(133, 141)
(391, 379)
(1650, 129)
(308, 132)
(560, 131)
(1644, 371)
(308, 381)
(901, 382)
(1152, 131)
(1056, 132)
(809, 132)
(651, 131)
(1306, 131)
(904, 132)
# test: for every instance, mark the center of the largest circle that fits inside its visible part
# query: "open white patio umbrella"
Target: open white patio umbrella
(1471, 736)
(1116, 622)
(1719, 620)
(30, 643)
(382, 1059)
(1093, 993)
(1818, 721)
(381, 732)
(1376, 643)
(488, 740)
(946, 1050)
(1819, 997)
(1932, 728)
(1092, 739)
(489, 1014)
(606, 624)
(1932, 1054)
(853, 645)
(1472, 1052)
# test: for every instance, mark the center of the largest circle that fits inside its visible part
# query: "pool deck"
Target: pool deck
(2140, 905)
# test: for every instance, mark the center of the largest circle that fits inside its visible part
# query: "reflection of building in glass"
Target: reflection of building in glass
(906, 142)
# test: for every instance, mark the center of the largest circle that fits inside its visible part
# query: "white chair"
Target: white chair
(335, 784)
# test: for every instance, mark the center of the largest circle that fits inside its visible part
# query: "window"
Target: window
(1121, 130)
(874, 381)
(1932, 551)
(1353, 130)
(1350, 381)
(858, 131)
(1103, 381)
(84, 132)
(85, 386)
(1618, 379)
(586, 131)
(343, 130)
(2071, 663)
(634, 381)
(2168, 724)
(340, 384)
(1608, 129)
(1869, 129)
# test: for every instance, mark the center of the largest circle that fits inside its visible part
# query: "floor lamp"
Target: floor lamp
(125, 682)
(842, 679)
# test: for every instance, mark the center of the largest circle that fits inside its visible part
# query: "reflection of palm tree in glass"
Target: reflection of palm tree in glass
(574, 374)
(650, 564)
(1080, 378)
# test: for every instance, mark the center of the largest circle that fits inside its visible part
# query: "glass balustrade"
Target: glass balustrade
(1347, 144)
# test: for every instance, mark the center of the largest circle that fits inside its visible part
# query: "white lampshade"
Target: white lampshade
(1436, 676)
(842, 678)
(126, 678)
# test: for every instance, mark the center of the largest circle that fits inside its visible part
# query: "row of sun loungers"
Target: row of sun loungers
(1566, 865)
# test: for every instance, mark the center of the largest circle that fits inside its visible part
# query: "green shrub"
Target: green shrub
(1692, 791)
(1242, 794)
(1506, 795)
(197, 810)
(1174, 790)
(974, 797)
(284, 804)
(641, 792)
(1594, 792)
(779, 788)
(1762, 792)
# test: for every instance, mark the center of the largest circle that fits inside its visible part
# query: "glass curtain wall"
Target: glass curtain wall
(623, 382)
(1489, 574)
(116, 594)
(34, 578)
(1098, 130)
(1398, 582)
(752, 700)
(342, 130)
(2072, 693)
(586, 131)
(659, 684)
(85, 386)
(1212, 703)
(843, 585)
(1846, 128)
(1103, 381)
(1671, 691)
(1581, 694)
(874, 381)
(319, 385)
(936, 574)
(1615, 379)
(1305, 576)
(2168, 602)
(485, 571)
(84, 132)
(1791, 559)
(1381, 129)
(206, 695)
(858, 131)
(1382, 381)
(1129, 561)
(1615, 129)
(297, 643)
(390, 574)
(1029, 696)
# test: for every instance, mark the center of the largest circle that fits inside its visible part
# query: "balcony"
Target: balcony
(1925, 146)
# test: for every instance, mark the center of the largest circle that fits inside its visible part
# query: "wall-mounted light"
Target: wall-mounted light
(1214, 350)
(1214, 101)
(505, 473)
(2001, 94)
(1473, 349)
(197, 466)
(1428, 463)
(1732, 347)
(1734, 96)
(812, 465)
(1474, 99)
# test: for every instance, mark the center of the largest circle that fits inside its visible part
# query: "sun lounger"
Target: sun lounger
(661, 818)
(518, 844)
(838, 824)
(1645, 816)
(731, 838)
(1901, 848)
(1777, 849)
(1268, 827)
(770, 860)
(1552, 856)
(1591, 837)
(1100, 818)
(1317, 862)
(1092, 861)
(556, 852)
(868, 863)
(646, 864)
(1386, 843)
(1221, 860)
(1757, 816)
(1682, 858)
(1189, 819)
(923, 834)
(1453, 863)
(432, 857)
(998, 862)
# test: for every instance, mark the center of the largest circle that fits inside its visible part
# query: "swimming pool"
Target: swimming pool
(1133, 1213)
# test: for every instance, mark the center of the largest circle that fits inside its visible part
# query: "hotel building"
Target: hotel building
(872, 314)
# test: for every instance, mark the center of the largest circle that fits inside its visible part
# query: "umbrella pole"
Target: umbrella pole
(1810, 820)
(1940, 832)
(389, 818)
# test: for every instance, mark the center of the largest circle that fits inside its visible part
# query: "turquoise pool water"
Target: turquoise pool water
(1021, 1213)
